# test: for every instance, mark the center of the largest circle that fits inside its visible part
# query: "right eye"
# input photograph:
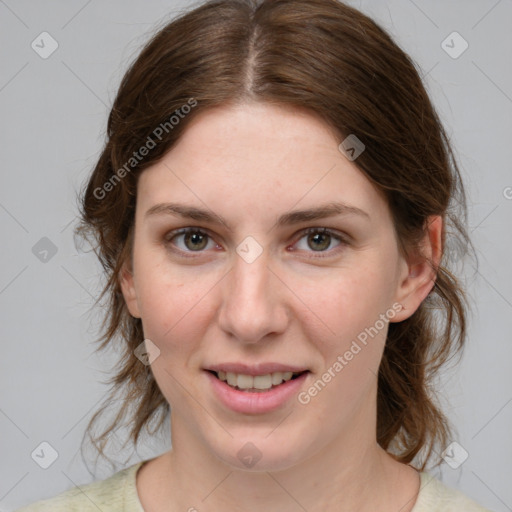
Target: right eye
(193, 240)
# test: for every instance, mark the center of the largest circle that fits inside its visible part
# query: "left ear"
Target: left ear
(420, 269)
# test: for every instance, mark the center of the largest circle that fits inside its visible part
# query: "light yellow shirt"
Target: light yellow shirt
(119, 494)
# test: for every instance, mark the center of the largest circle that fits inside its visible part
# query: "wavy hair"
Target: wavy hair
(328, 58)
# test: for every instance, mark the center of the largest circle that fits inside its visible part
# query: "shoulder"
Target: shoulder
(434, 496)
(116, 493)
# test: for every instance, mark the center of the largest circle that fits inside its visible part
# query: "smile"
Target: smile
(255, 394)
(256, 383)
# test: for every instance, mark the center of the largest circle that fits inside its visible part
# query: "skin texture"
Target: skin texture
(301, 302)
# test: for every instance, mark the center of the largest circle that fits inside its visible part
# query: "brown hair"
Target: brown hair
(334, 61)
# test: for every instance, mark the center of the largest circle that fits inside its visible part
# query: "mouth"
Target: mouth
(255, 389)
(256, 383)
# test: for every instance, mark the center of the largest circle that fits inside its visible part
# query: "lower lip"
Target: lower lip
(255, 403)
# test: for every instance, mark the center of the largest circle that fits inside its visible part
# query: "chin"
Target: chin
(260, 454)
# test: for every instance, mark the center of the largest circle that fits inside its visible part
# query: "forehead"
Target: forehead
(257, 158)
(258, 130)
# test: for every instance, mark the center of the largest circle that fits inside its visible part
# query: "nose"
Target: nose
(253, 301)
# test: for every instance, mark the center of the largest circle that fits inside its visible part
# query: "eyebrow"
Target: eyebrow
(287, 219)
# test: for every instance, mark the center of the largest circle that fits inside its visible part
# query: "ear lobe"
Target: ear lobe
(126, 281)
(420, 271)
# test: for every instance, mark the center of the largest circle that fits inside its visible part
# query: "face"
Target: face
(247, 283)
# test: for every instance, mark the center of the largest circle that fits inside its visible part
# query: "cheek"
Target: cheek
(174, 304)
(356, 310)
(346, 303)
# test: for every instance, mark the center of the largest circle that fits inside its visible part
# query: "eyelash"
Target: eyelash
(318, 254)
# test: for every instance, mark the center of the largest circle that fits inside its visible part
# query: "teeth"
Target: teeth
(277, 378)
(244, 381)
(261, 382)
(231, 379)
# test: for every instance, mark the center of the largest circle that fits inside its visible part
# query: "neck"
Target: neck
(353, 473)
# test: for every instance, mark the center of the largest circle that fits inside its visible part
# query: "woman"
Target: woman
(271, 208)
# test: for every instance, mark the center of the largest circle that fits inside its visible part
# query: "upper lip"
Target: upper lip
(255, 369)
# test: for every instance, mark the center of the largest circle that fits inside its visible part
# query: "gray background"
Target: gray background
(53, 121)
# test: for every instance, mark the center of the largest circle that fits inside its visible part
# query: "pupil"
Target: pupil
(315, 236)
(195, 238)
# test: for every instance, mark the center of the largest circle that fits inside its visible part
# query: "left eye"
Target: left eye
(320, 239)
